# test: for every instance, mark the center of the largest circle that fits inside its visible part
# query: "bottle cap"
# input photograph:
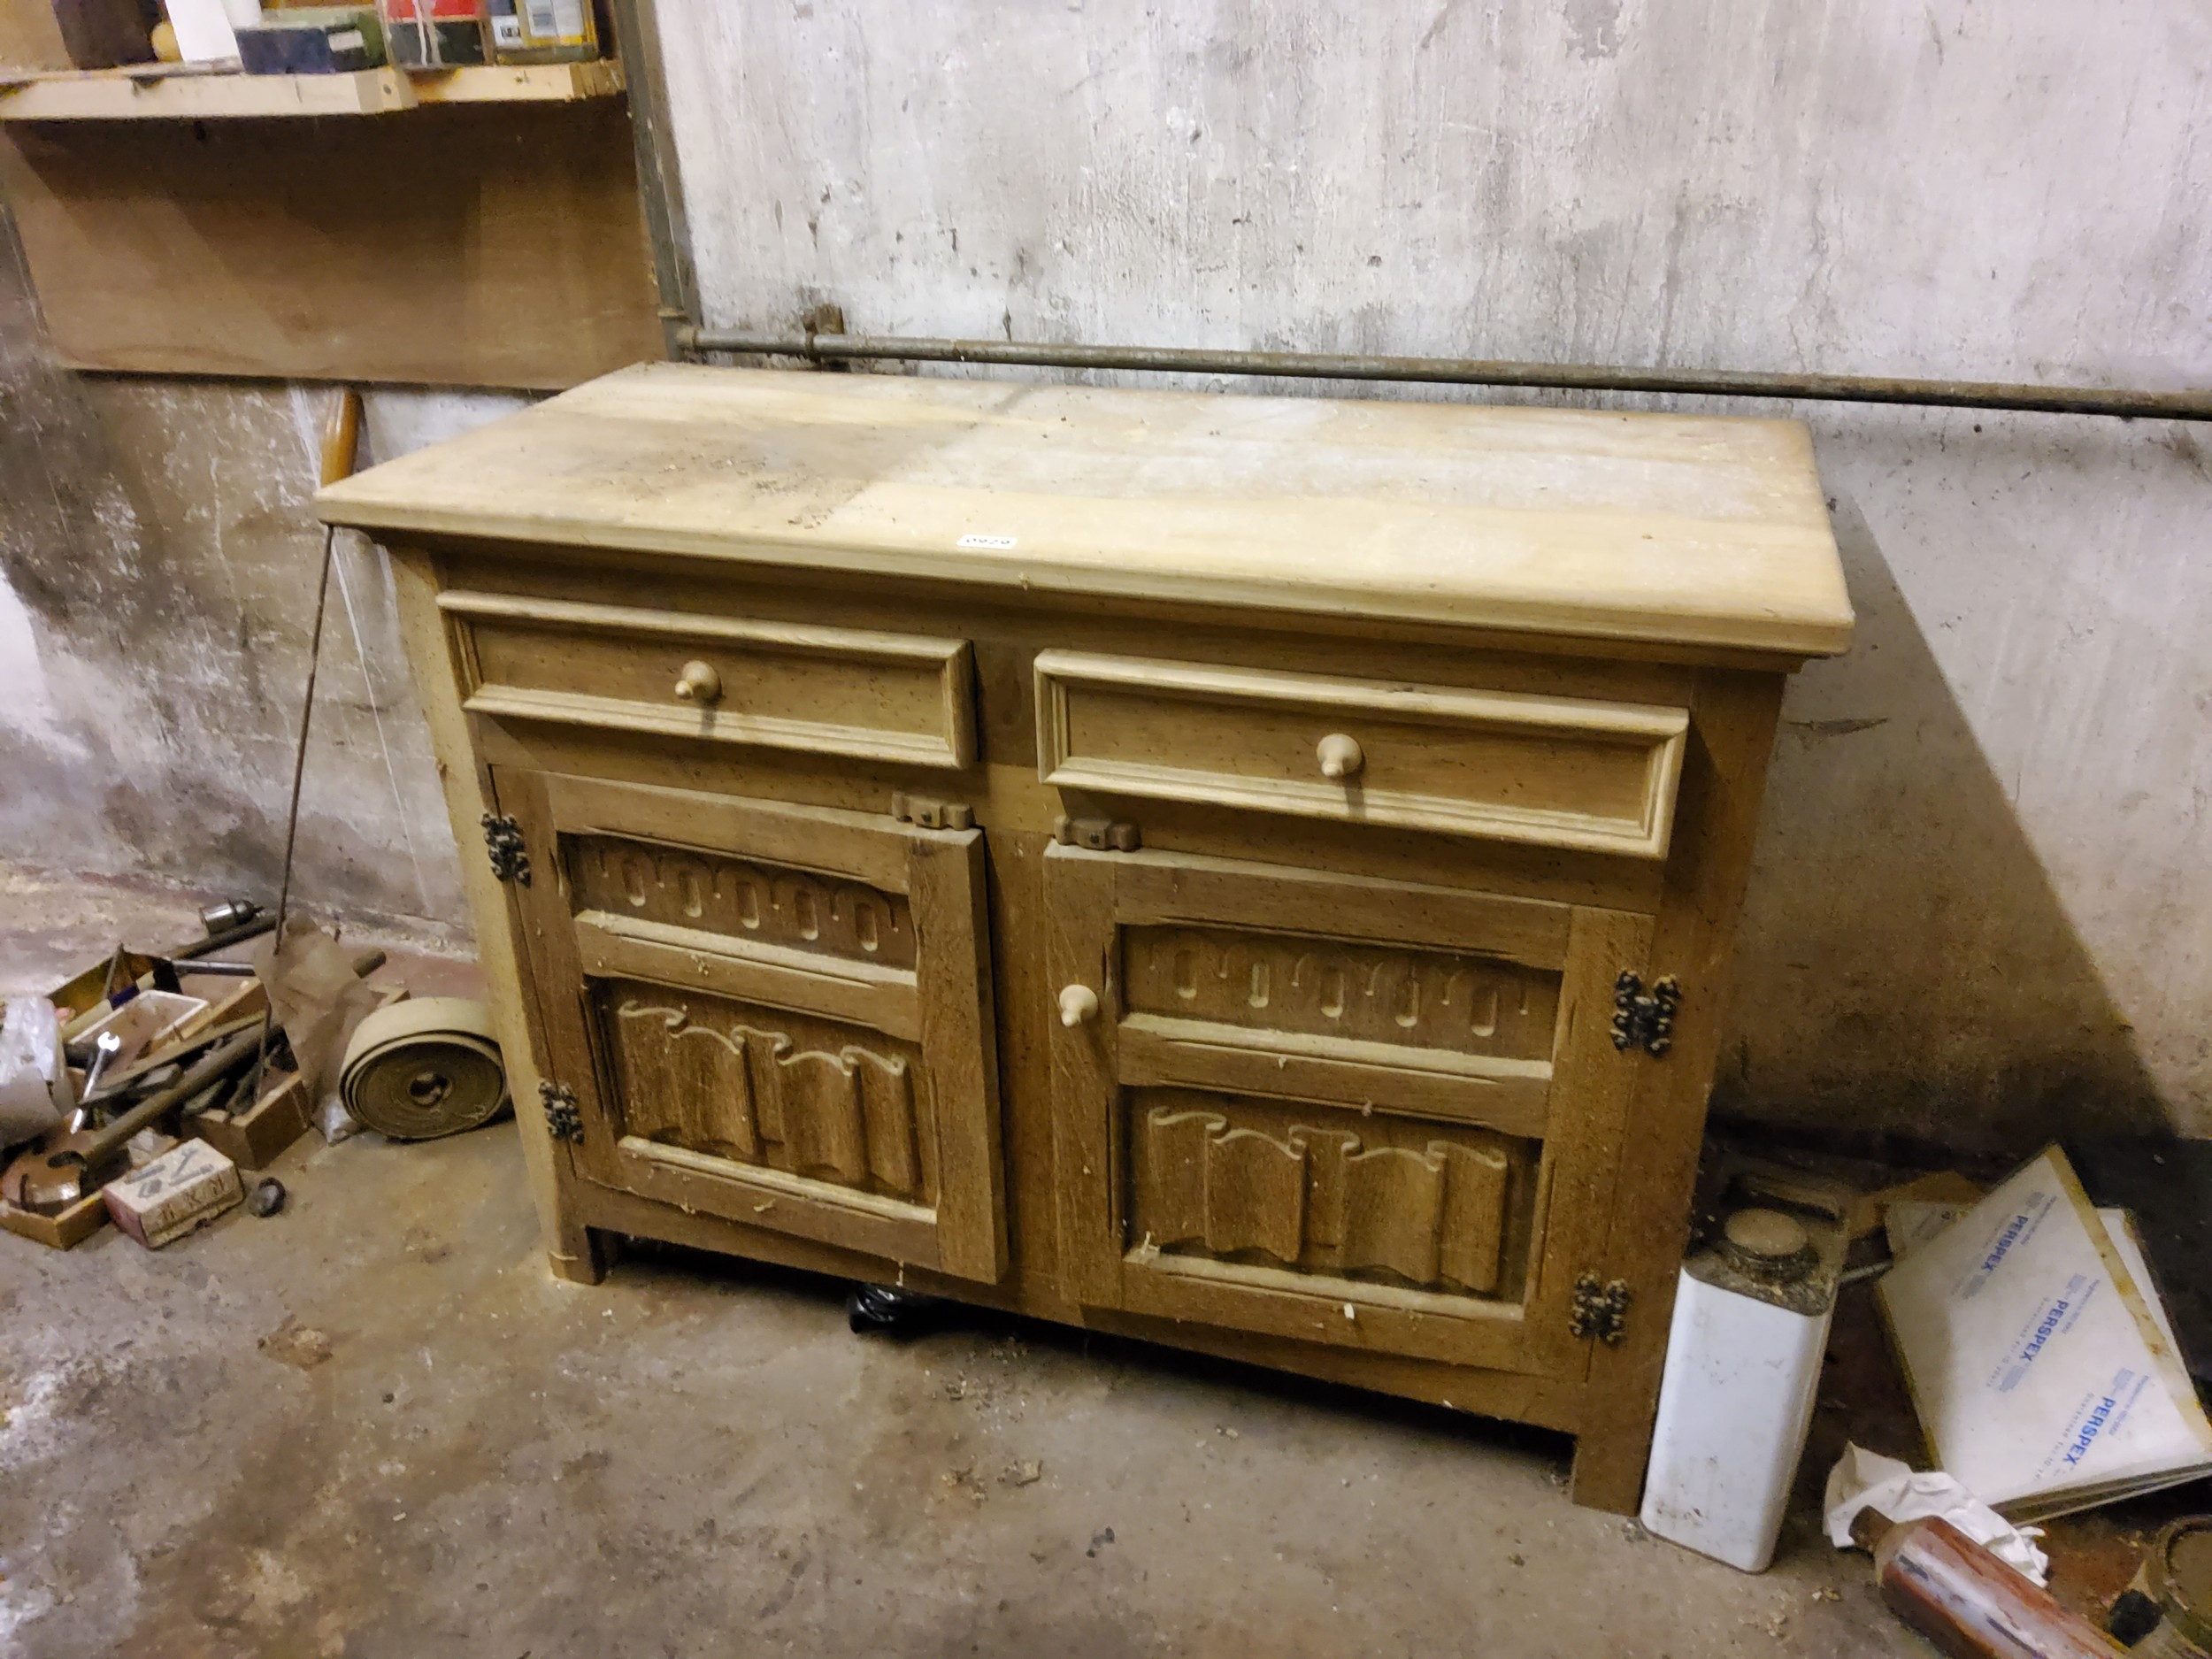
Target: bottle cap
(1768, 1244)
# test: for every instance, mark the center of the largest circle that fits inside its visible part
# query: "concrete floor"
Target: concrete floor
(375, 1425)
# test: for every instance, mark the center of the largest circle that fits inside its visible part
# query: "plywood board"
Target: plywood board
(109, 96)
(496, 245)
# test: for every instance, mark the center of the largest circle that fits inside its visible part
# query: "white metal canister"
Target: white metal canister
(1743, 1366)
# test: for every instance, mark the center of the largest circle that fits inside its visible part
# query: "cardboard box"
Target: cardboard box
(544, 31)
(437, 34)
(318, 40)
(185, 1187)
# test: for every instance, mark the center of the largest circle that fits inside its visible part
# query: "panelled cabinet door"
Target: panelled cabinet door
(1341, 1110)
(774, 1013)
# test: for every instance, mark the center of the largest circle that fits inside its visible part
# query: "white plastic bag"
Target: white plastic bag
(1864, 1479)
(34, 1081)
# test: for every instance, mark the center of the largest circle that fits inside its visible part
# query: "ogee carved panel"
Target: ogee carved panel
(1372, 993)
(1327, 1193)
(767, 1087)
(769, 905)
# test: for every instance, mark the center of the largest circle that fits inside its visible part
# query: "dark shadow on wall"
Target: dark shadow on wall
(160, 562)
(1907, 977)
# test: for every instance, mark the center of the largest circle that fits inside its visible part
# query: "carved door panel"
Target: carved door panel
(1347, 1111)
(774, 1013)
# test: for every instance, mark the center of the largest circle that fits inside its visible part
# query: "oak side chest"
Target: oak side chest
(1252, 873)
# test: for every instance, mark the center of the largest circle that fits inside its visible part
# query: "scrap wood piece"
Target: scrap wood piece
(64, 1230)
(1869, 1210)
(254, 1137)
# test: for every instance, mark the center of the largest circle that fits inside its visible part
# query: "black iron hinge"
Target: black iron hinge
(511, 859)
(563, 1119)
(1645, 1022)
(1601, 1310)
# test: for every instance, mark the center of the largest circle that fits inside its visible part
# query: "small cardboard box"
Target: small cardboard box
(183, 1189)
(313, 41)
(437, 33)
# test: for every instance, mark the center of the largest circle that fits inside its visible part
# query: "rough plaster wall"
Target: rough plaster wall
(158, 571)
(1977, 911)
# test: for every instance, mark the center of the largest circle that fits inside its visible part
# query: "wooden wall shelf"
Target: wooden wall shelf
(466, 243)
(170, 92)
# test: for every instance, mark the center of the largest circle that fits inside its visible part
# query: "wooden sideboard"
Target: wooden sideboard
(1251, 873)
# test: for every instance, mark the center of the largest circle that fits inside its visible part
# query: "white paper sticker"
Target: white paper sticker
(1000, 542)
(347, 41)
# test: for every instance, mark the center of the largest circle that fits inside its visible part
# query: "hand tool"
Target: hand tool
(51, 1176)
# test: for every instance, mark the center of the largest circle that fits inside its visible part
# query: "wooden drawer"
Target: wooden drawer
(1557, 771)
(776, 684)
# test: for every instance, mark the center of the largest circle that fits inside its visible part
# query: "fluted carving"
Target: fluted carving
(1371, 993)
(770, 904)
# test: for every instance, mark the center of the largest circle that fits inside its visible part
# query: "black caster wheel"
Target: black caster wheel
(885, 1308)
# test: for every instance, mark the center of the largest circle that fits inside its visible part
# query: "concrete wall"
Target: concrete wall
(1980, 911)
(1978, 914)
(158, 574)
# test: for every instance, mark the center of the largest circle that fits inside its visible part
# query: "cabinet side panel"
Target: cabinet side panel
(469, 796)
(1731, 734)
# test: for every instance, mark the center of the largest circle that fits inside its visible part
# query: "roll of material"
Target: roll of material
(421, 1069)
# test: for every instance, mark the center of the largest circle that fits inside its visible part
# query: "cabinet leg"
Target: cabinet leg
(1608, 1469)
(589, 1253)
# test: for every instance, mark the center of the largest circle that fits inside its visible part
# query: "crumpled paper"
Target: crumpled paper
(1864, 1479)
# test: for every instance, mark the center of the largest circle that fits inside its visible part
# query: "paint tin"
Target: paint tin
(2176, 1579)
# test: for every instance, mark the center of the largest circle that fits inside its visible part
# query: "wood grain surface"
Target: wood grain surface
(1599, 525)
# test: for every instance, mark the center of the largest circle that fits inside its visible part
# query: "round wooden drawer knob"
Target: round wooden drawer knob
(699, 683)
(1340, 756)
(1078, 1005)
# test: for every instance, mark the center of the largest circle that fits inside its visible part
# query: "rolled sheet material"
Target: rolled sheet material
(419, 1069)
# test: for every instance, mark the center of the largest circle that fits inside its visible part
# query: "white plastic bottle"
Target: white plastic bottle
(1743, 1366)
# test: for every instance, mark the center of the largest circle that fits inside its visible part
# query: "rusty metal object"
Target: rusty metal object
(2125, 402)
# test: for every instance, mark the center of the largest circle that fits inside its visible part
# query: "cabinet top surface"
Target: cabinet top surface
(1687, 530)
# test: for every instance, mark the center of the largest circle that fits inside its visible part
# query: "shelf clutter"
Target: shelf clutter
(100, 60)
